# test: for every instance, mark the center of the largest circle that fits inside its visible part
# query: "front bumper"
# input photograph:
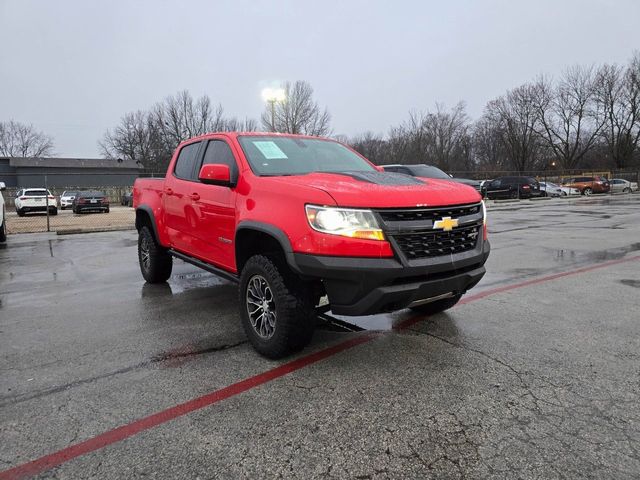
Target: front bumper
(365, 286)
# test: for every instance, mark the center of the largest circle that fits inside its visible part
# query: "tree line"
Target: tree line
(589, 117)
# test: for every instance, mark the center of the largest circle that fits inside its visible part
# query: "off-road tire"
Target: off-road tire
(295, 310)
(437, 306)
(155, 262)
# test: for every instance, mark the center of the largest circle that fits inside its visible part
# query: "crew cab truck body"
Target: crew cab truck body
(292, 218)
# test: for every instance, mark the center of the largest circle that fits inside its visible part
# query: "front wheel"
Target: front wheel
(20, 212)
(437, 306)
(276, 307)
(587, 191)
(155, 262)
(627, 190)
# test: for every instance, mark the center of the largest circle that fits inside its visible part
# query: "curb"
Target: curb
(73, 231)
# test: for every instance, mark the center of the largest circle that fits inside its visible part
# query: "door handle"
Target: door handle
(168, 191)
(195, 197)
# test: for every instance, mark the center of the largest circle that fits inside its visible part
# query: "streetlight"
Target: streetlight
(271, 96)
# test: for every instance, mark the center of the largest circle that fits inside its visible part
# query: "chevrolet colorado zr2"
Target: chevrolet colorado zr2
(293, 218)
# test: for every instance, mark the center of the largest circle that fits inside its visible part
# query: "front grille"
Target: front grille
(428, 244)
(414, 214)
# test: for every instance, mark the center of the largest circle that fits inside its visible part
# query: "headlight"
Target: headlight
(346, 222)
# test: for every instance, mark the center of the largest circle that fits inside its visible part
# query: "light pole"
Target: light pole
(271, 96)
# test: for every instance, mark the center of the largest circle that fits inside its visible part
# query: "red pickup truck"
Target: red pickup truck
(293, 218)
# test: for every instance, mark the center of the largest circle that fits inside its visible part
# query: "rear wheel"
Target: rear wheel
(627, 190)
(437, 306)
(276, 307)
(513, 194)
(155, 262)
(587, 191)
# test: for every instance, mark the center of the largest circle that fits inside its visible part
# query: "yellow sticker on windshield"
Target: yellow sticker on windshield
(270, 150)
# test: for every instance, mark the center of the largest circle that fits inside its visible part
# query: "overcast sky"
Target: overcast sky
(73, 68)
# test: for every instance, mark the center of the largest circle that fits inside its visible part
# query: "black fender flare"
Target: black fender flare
(149, 212)
(273, 231)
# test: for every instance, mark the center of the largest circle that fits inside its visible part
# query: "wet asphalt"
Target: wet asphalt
(540, 381)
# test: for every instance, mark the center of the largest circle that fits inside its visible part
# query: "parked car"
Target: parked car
(588, 185)
(622, 185)
(35, 200)
(429, 171)
(3, 215)
(512, 187)
(91, 201)
(66, 199)
(550, 189)
(293, 218)
(127, 199)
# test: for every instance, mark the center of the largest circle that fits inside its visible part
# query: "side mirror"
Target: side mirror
(2, 186)
(215, 174)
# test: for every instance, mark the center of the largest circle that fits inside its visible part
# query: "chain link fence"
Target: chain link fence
(30, 210)
(56, 213)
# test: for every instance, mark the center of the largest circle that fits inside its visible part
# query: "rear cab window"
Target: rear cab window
(186, 162)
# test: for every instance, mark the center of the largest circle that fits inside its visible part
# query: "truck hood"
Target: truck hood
(384, 189)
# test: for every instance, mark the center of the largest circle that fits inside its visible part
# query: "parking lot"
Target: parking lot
(66, 221)
(535, 374)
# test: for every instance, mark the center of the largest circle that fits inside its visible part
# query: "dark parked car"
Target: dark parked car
(127, 199)
(91, 201)
(429, 171)
(512, 187)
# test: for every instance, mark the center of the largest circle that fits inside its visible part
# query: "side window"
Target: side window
(218, 151)
(186, 161)
(496, 183)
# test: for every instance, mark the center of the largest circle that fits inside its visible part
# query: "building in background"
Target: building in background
(68, 173)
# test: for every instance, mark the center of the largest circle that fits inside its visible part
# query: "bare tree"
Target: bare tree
(618, 95)
(488, 145)
(446, 135)
(512, 119)
(151, 137)
(137, 139)
(20, 140)
(567, 114)
(372, 146)
(297, 113)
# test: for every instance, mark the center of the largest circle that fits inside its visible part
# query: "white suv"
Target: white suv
(35, 200)
(3, 216)
(67, 198)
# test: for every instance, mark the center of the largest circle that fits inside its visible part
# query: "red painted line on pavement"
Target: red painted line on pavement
(118, 434)
(493, 291)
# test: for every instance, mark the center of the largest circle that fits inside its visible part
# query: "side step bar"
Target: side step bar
(205, 266)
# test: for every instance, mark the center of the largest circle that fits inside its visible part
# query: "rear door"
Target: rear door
(215, 209)
(179, 186)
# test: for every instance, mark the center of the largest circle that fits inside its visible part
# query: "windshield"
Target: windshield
(274, 156)
(429, 172)
(68, 194)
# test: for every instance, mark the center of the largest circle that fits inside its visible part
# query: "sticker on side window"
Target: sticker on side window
(270, 150)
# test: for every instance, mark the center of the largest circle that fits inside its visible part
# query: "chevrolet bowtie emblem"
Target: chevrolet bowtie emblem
(446, 224)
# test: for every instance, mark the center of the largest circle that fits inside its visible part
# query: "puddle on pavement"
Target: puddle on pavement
(597, 255)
